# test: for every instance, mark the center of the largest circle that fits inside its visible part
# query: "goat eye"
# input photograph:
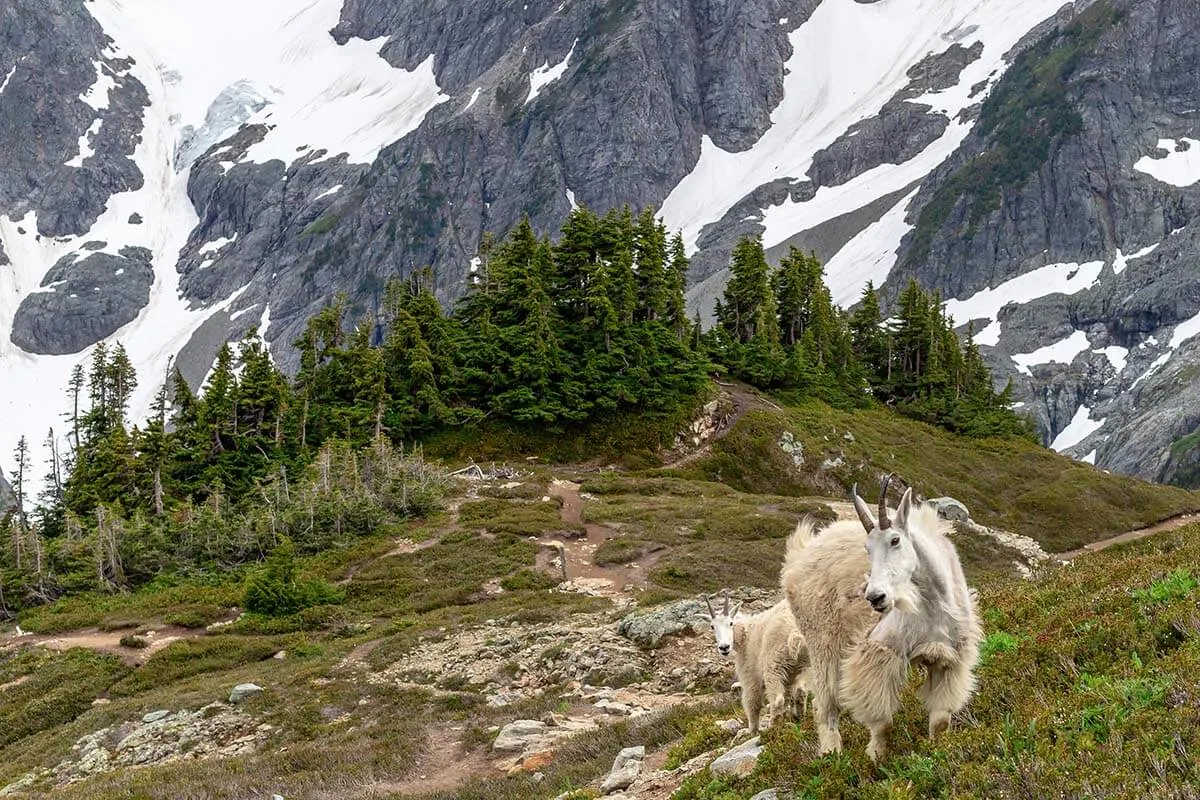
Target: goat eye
(895, 541)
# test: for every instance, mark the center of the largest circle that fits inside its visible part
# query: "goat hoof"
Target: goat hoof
(938, 725)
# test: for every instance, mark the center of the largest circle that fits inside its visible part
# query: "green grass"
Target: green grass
(631, 441)
(1089, 687)
(1088, 677)
(322, 225)
(1010, 484)
(192, 605)
(532, 518)
(183, 659)
(56, 688)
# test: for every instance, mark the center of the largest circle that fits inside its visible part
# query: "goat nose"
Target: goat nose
(876, 598)
(724, 649)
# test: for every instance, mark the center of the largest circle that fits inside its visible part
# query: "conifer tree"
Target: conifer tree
(650, 259)
(677, 269)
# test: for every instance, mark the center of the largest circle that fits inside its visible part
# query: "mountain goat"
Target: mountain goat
(916, 608)
(769, 658)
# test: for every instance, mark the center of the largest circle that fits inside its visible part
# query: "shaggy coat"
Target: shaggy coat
(770, 658)
(859, 656)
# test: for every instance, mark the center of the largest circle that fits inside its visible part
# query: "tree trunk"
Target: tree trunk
(158, 491)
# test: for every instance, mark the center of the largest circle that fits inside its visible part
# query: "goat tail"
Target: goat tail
(805, 531)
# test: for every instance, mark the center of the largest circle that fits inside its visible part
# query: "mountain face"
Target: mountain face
(174, 174)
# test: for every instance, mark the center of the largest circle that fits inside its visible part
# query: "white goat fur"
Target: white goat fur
(770, 659)
(859, 658)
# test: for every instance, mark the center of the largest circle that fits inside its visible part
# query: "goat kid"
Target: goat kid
(769, 658)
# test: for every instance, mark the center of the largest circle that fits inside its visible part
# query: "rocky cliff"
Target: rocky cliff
(172, 177)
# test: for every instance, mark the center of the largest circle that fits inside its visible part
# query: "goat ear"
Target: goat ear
(904, 509)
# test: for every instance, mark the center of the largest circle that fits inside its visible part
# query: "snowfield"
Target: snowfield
(317, 94)
(1180, 167)
(848, 60)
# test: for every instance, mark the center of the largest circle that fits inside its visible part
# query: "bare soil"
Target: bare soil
(1174, 523)
(580, 552)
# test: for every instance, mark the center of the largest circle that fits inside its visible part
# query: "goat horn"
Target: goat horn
(864, 513)
(711, 613)
(726, 611)
(884, 522)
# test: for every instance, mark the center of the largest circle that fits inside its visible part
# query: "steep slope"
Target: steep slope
(1064, 227)
(174, 175)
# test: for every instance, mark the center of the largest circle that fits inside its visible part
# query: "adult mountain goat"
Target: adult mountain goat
(916, 609)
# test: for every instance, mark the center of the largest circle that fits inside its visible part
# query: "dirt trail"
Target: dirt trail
(442, 765)
(106, 641)
(1174, 523)
(711, 428)
(580, 552)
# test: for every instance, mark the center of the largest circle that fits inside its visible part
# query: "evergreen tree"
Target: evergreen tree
(740, 312)
(677, 269)
(650, 262)
(869, 338)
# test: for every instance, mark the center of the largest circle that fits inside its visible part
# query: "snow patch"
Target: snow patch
(8, 77)
(217, 244)
(1079, 428)
(1121, 261)
(85, 144)
(571, 200)
(546, 74)
(1068, 278)
(1090, 458)
(869, 256)
(329, 191)
(1060, 352)
(1180, 167)
(848, 59)
(317, 94)
(1184, 331)
(474, 96)
(1117, 356)
(243, 312)
(96, 95)
(990, 335)
(264, 323)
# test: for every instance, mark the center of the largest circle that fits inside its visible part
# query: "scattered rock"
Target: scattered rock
(214, 731)
(516, 735)
(792, 447)
(534, 762)
(625, 770)
(951, 509)
(730, 725)
(244, 691)
(767, 794)
(738, 761)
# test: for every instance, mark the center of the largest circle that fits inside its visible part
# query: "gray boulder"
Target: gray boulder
(625, 770)
(951, 509)
(767, 794)
(647, 629)
(738, 761)
(244, 691)
(516, 735)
